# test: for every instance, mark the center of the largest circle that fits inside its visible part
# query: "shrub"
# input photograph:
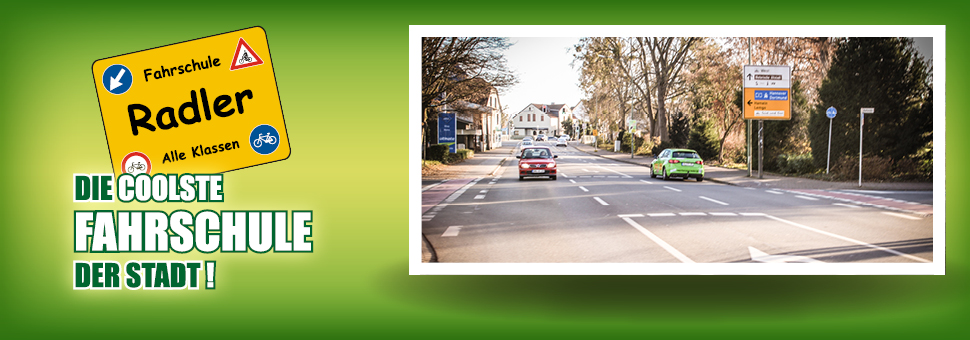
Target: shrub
(437, 152)
(459, 155)
(873, 168)
(795, 164)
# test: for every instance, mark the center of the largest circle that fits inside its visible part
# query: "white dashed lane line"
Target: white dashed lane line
(584, 189)
(674, 189)
(452, 231)
(807, 198)
(774, 192)
(601, 201)
(712, 200)
(847, 205)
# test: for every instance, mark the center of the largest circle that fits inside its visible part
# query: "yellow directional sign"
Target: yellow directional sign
(207, 105)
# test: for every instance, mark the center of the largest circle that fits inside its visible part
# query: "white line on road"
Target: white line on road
(483, 191)
(680, 256)
(752, 214)
(479, 197)
(911, 257)
(674, 189)
(452, 231)
(901, 215)
(584, 189)
(774, 192)
(572, 181)
(693, 214)
(807, 198)
(847, 205)
(645, 181)
(723, 214)
(630, 215)
(712, 200)
(661, 215)
(601, 201)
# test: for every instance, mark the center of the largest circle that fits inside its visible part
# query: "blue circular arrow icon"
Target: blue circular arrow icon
(116, 79)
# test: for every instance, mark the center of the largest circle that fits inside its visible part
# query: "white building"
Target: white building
(537, 119)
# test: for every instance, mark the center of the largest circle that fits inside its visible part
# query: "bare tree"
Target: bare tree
(459, 68)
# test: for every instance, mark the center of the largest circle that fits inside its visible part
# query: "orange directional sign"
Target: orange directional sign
(207, 105)
(767, 92)
(767, 104)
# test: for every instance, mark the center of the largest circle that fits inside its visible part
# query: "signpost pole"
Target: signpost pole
(761, 147)
(862, 119)
(749, 121)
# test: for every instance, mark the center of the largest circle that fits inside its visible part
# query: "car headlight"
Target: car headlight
(551, 165)
(524, 165)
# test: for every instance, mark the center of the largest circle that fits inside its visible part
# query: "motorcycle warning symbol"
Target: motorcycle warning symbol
(244, 57)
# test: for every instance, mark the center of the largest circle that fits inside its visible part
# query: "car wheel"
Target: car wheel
(666, 177)
(700, 179)
(652, 175)
(521, 178)
(553, 177)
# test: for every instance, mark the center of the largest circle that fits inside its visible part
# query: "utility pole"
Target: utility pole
(748, 121)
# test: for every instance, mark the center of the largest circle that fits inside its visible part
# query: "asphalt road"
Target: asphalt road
(602, 211)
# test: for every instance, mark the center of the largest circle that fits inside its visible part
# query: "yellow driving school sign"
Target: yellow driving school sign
(207, 105)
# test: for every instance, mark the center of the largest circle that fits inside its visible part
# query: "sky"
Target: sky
(542, 65)
(545, 74)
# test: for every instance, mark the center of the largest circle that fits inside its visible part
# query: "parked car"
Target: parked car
(526, 143)
(566, 137)
(526, 138)
(683, 163)
(561, 141)
(537, 161)
(540, 138)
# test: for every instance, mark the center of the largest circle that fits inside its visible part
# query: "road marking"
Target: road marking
(630, 215)
(674, 189)
(752, 214)
(645, 181)
(598, 176)
(677, 254)
(563, 175)
(760, 256)
(617, 172)
(847, 205)
(661, 215)
(433, 185)
(587, 170)
(712, 200)
(483, 191)
(584, 189)
(901, 215)
(452, 231)
(601, 201)
(911, 257)
(807, 198)
(479, 197)
(723, 214)
(774, 192)
(572, 181)
(693, 214)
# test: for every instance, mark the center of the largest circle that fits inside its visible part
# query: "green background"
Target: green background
(343, 80)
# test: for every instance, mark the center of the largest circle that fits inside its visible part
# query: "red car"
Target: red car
(537, 161)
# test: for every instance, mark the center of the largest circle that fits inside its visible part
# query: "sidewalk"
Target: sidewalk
(437, 188)
(740, 178)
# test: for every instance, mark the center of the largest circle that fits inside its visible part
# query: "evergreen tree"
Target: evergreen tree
(882, 73)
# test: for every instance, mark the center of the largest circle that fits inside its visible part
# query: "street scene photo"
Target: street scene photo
(679, 150)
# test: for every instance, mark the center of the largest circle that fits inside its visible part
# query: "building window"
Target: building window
(520, 118)
(543, 118)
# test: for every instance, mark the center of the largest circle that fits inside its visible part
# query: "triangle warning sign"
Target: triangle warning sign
(244, 57)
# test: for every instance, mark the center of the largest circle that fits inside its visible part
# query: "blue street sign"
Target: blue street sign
(770, 95)
(116, 79)
(830, 112)
(447, 130)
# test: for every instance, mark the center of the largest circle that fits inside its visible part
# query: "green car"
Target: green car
(683, 163)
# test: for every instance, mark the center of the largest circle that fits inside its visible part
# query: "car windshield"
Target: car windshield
(536, 153)
(528, 142)
(683, 154)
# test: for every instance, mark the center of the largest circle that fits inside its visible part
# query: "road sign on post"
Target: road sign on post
(767, 92)
(862, 118)
(831, 114)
